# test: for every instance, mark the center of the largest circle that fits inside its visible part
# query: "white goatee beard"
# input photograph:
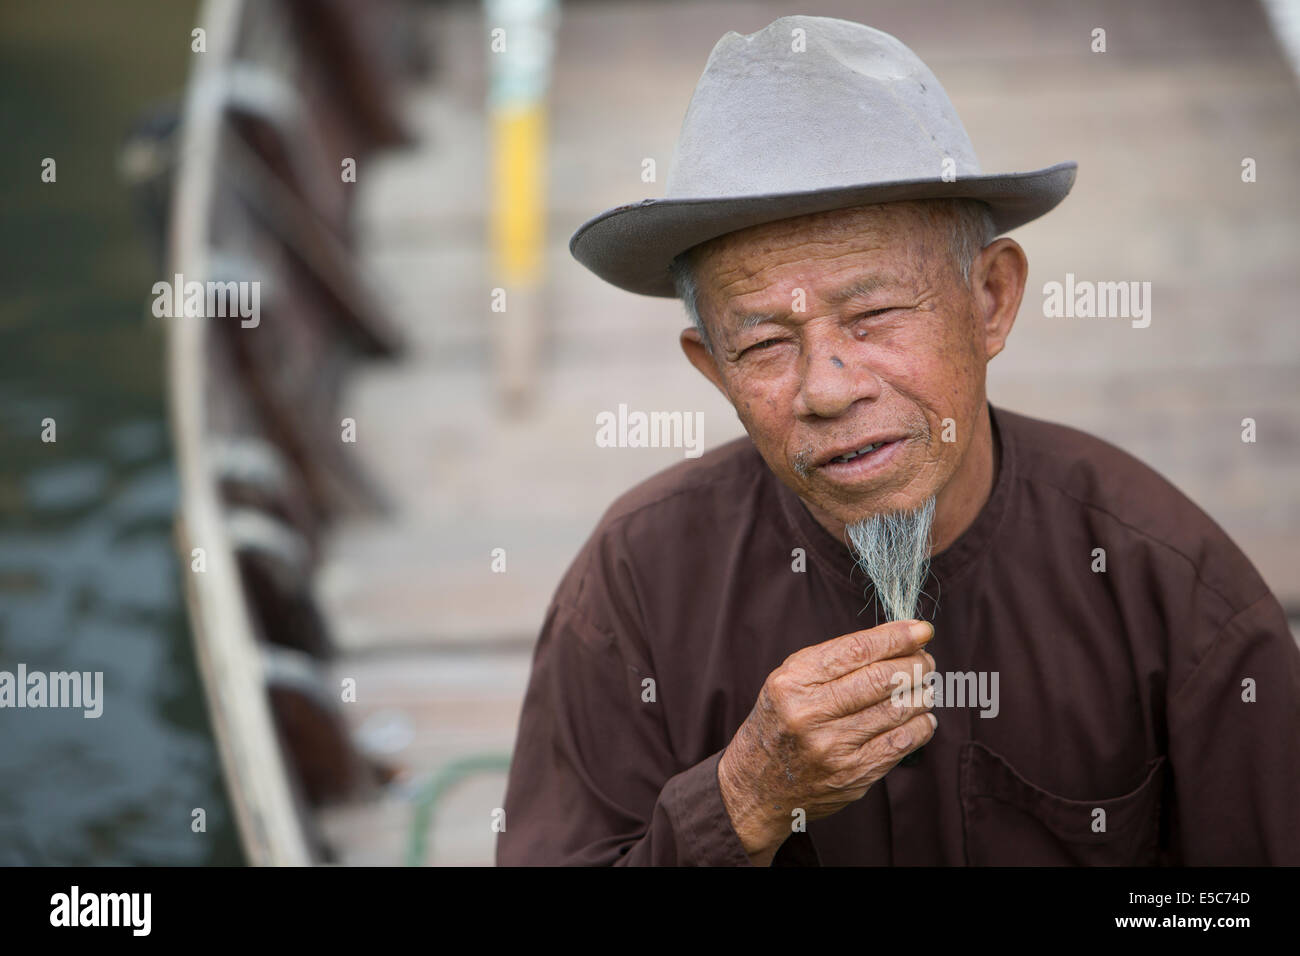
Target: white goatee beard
(894, 551)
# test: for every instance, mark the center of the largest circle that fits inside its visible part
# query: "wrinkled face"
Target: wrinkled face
(843, 330)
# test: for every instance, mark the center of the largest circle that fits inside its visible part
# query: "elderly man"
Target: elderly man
(895, 625)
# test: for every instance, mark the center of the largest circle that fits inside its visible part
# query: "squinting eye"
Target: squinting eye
(862, 333)
(762, 345)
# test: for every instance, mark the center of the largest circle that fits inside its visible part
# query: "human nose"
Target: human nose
(831, 379)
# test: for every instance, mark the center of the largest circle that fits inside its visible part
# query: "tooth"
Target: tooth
(849, 456)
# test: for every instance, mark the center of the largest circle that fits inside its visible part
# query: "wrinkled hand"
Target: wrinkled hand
(829, 722)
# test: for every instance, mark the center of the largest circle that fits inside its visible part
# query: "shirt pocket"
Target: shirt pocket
(1009, 821)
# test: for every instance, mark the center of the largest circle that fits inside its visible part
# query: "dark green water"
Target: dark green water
(88, 578)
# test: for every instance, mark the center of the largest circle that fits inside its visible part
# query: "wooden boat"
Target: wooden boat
(282, 96)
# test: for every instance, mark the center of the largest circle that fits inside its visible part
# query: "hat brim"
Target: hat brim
(632, 246)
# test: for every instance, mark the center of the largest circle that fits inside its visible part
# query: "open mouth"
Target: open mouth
(861, 463)
(859, 453)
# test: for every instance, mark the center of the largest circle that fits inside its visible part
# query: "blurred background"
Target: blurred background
(311, 550)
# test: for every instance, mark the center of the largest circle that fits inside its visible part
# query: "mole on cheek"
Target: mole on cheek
(836, 362)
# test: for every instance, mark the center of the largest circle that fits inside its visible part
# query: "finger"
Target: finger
(887, 748)
(893, 712)
(844, 654)
(875, 682)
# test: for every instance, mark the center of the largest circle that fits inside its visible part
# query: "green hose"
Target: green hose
(431, 794)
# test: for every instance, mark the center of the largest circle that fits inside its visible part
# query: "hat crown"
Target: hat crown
(812, 103)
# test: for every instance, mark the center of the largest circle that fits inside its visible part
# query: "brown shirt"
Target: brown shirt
(1118, 690)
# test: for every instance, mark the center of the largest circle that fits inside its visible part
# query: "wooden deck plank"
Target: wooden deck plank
(430, 708)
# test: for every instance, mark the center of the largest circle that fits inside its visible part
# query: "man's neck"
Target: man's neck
(960, 501)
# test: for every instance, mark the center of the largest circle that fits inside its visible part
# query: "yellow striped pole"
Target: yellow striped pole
(518, 174)
(521, 39)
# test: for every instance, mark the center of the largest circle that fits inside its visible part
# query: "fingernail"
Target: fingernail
(921, 629)
(934, 721)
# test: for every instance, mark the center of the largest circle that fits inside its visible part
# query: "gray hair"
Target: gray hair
(970, 221)
(894, 551)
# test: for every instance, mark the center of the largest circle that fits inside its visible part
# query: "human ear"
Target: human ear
(998, 278)
(701, 357)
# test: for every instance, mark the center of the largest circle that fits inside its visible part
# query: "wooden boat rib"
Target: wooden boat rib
(231, 665)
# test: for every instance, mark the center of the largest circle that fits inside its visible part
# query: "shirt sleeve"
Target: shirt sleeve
(1236, 760)
(593, 780)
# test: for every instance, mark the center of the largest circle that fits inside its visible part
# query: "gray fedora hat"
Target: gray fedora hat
(807, 115)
